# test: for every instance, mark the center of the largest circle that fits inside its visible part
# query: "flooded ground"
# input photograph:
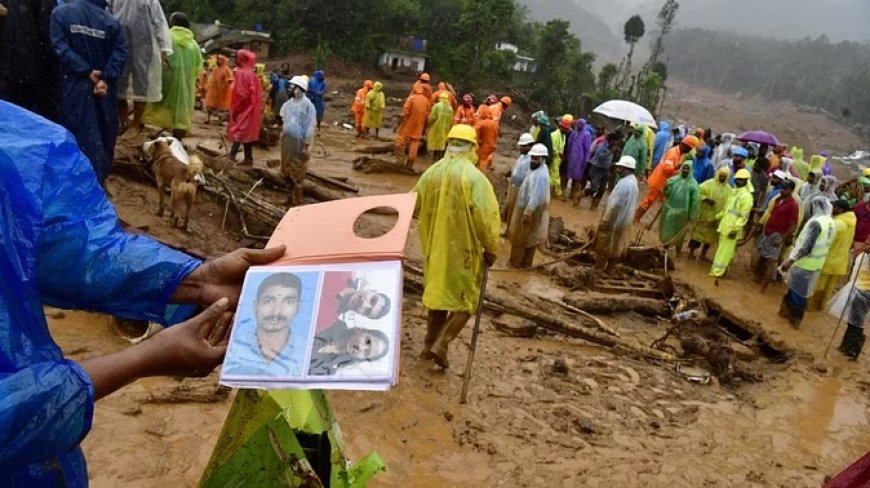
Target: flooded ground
(542, 411)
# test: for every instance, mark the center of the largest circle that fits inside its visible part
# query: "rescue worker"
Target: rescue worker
(436, 96)
(300, 120)
(487, 139)
(713, 196)
(732, 221)
(530, 219)
(414, 116)
(557, 140)
(439, 124)
(316, 92)
(517, 176)
(246, 107)
(465, 114)
(457, 216)
(614, 228)
(680, 207)
(359, 107)
(219, 93)
(667, 167)
(374, 110)
(90, 47)
(837, 263)
(424, 83)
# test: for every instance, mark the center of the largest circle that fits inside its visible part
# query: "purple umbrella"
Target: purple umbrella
(760, 137)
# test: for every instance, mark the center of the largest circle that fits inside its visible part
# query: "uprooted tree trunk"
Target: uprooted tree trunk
(605, 303)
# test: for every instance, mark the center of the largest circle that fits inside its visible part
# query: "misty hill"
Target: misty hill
(593, 32)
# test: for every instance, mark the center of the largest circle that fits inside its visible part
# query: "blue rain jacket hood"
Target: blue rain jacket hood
(61, 245)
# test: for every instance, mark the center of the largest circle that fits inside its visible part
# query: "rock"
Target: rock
(592, 384)
(634, 376)
(560, 367)
(637, 412)
(515, 326)
(821, 367)
(586, 425)
(743, 352)
(448, 416)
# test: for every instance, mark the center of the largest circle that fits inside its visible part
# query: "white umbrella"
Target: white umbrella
(628, 111)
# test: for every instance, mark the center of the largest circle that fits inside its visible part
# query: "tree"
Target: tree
(606, 76)
(665, 22)
(633, 30)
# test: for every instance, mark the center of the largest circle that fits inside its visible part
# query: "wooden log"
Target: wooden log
(604, 303)
(333, 182)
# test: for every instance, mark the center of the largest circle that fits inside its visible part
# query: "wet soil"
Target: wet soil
(542, 411)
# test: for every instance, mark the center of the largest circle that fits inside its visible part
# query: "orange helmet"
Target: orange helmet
(506, 101)
(425, 77)
(690, 141)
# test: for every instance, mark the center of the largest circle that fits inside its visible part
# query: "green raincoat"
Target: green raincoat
(440, 122)
(636, 147)
(375, 104)
(681, 205)
(175, 109)
(714, 195)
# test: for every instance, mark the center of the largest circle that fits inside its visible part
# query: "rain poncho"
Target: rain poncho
(533, 199)
(147, 35)
(837, 262)
(809, 190)
(619, 214)
(175, 110)
(300, 120)
(457, 217)
(316, 90)
(801, 166)
(440, 122)
(487, 139)
(664, 141)
(649, 136)
(375, 104)
(557, 142)
(62, 246)
(681, 205)
(86, 38)
(817, 163)
(811, 250)
(577, 150)
(830, 183)
(723, 152)
(636, 148)
(703, 166)
(219, 93)
(732, 219)
(542, 136)
(713, 197)
(247, 104)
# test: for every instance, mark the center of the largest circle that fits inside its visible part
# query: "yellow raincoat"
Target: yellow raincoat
(732, 219)
(558, 140)
(650, 137)
(375, 104)
(458, 220)
(837, 263)
(440, 122)
(713, 196)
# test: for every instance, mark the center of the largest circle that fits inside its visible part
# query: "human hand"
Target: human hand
(101, 88)
(787, 265)
(489, 259)
(95, 76)
(732, 234)
(194, 347)
(223, 277)
(164, 58)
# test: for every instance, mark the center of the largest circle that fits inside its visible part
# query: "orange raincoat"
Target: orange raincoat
(669, 166)
(219, 93)
(415, 114)
(359, 105)
(465, 115)
(427, 90)
(442, 88)
(487, 138)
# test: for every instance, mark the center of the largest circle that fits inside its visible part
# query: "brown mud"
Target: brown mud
(543, 411)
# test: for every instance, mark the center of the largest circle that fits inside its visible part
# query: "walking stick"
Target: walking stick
(649, 226)
(858, 262)
(474, 334)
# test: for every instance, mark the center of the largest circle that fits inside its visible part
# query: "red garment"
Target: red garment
(783, 216)
(862, 228)
(247, 104)
(330, 305)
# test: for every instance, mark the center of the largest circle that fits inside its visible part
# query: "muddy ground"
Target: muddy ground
(543, 411)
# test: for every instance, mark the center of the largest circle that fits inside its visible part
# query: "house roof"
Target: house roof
(405, 51)
(214, 36)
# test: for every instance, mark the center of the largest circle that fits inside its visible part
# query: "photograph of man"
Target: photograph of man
(270, 338)
(342, 293)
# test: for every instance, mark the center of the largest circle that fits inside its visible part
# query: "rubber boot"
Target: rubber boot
(435, 320)
(853, 342)
(455, 323)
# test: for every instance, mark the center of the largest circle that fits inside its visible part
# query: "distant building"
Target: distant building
(219, 38)
(409, 56)
(521, 63)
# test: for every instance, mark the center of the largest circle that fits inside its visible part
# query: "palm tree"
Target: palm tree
(633, 30)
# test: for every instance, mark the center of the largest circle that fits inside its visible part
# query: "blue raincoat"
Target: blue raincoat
(86, 37)
(60, 244)
(316, 90)
(662, 144)
(703, 166)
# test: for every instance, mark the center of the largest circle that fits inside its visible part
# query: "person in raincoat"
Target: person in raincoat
(28, 76)
(246, 107)
(457, 216)
(777, 227)
(91, 49)
(732, 222)
(664, 141)
(530, 219)
(414, 117)
(805, 263)
(487, 138)
(424, 83)
(817, 163)
(65, 248)
(558, 138)
(300, 120)
(681, 207)
(599, 168)
(801, 167)
(280, 87)
(359, 107)
(811, 188)
(614, 228)
(436, 96)
(723, 152)
(713, 195)
(148, 49)
(439, 124)
(466, 114)
(636, 147)
(315, 93)
(374, 112)
(541, 133)
(175, 109)
(577, 153)
(667, 167)
(703, 166)
(219, 93)
(837, 263)
(517, 176)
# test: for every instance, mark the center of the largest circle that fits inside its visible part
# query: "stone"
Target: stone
(743, 352)
(515, 326)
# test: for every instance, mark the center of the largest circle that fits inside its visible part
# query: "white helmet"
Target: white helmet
(301, 81)
(627, 162)
(526, 139)
(539, 150)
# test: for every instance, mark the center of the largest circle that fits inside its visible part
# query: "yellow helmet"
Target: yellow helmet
(742, 174)
(463, 132)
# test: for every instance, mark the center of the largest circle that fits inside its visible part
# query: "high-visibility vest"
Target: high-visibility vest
(815, 260)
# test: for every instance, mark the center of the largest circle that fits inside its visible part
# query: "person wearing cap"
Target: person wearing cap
(836, 265)
(667, 167)
(465, 114)
(614, 228)
(359, 107)
(487, 138)
(530, 220)
(599, 168)
(636, 147)
(374, 110)
(300, 121)
(713, 195)
(424, 82)
(414, 117)
(489, 102)
(518, 175)
(438, 126)
(775, 230)
(557, 142)
(680, 207)
(738, 161)
(246, 108)
(498, 109)
(732, 222)
(457, 216)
